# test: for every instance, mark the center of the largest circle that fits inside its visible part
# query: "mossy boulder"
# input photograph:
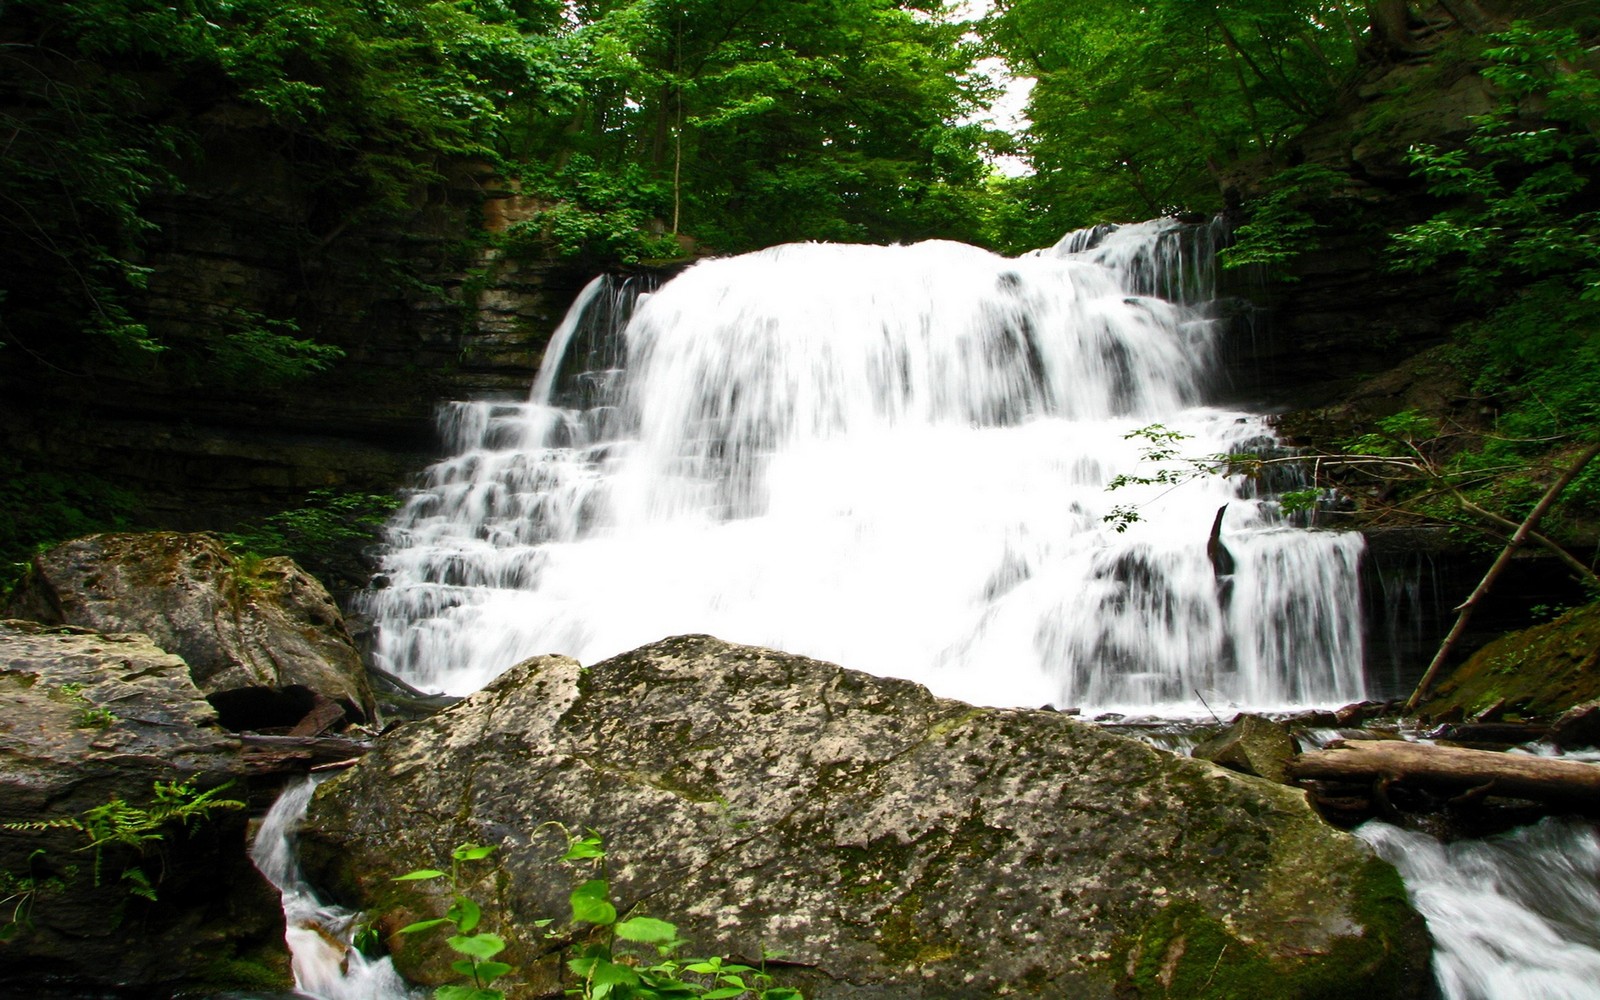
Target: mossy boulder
(253, 631)
(884, 842)
(1539, 672)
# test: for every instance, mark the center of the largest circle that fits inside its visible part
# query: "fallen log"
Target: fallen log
(261, 754)
(1568, 784)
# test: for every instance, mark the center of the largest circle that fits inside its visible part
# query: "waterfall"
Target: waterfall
(895, 458)
(325, 965)
(1512, 917)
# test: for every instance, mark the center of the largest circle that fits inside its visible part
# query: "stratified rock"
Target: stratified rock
(85, 719)
(254, 633)
(884, 842)
(1252, 744)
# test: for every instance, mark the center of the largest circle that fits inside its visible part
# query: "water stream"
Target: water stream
(318, 934)
(898, 459)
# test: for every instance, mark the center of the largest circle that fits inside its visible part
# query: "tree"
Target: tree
(1137, 108)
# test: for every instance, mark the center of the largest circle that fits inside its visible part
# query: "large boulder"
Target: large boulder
(261, 636)
(885, 843)
(88, 719)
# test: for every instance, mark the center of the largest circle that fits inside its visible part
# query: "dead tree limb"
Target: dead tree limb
(1456, 770)
(1512, 545)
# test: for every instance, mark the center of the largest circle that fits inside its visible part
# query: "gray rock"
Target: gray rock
(86, 718)
(1252, 744)
(884, 842)
(241, 626)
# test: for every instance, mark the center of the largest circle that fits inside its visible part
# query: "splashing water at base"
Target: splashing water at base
(895, 458)
(1513, 917)
(325, 965)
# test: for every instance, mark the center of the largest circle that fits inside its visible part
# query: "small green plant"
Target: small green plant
(477, 948)
(21, 891)
(115, 823)
(617, 966)
(90, 715)
(632, 958)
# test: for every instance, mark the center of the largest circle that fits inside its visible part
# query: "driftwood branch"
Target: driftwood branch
(1512, 545)
(1456, 770)
(281, 754)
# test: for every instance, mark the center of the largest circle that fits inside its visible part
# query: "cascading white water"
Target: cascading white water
(1512, 918)
(324, 965)
(895, 458)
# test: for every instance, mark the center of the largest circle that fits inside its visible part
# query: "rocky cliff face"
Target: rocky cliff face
(422, 312)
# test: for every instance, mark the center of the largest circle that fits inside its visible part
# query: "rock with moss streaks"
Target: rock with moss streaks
(247, 628)
(884, 842)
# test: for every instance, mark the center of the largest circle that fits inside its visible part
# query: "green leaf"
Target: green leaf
(418, 875)
(591, 903)
(471, 852)
(583, 849)
(466, 914)
(488, 972)
(479, 946)
(613, 974)
(781, 993)
(422, 925)
(461, 992)
(646, 929)
(725, 992)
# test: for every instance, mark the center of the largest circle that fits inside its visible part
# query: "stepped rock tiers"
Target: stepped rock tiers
(886, 843)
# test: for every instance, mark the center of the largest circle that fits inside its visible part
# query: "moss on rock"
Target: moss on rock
(1536, 673)
(889, 844)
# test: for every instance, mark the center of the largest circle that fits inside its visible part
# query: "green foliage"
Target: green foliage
(90, 715)
(266, 352)
(1517, 210)
(1281, 225)
(623, 958)
(319, 533)
(1519, 226)
(478, 948)
(21, 891)
(1137, 107)
(175, 806)
(595, 214)
(40, 508)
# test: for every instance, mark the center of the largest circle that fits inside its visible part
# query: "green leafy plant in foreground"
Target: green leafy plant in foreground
(477, 948)
(625, 959)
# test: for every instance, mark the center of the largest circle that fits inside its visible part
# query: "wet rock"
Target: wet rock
(887, 843)
(87, 718)
(1252, 744)
(239, 624)
(1577, 727)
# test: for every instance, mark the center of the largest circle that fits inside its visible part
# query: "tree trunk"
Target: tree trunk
(1391, 27)
(1566, 783)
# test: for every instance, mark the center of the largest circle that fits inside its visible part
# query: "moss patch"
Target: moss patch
(1182, 952)
(1538, 672)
